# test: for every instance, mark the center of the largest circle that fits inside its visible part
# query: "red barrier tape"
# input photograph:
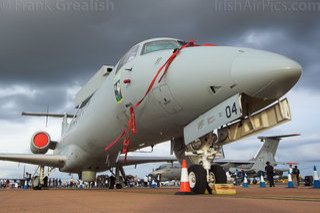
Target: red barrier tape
(132, 125)
(111, 144)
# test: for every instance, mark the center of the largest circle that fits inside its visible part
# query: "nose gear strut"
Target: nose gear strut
(205, 155)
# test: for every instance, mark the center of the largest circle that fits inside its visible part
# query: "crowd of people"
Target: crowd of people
(269, 173)
(4, 183)
(103, 181)
(106, 181)
(54, 182)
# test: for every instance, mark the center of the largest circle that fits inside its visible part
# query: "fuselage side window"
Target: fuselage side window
(159, 45)
(131, 54)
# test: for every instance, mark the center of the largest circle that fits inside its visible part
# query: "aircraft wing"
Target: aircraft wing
(134, 160)
(282, 163)
(45, 160)
(234, 162)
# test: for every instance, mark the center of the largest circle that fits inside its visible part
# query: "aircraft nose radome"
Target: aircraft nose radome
(264, 74)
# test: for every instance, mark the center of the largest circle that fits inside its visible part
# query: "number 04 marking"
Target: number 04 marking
(231, 110)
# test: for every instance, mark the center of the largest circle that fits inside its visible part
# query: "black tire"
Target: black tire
(112, 182)
(197, 179)
(37, 188)
(219, 173)
(118, 186)
(254, 181)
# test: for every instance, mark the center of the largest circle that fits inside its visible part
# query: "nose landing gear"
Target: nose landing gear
(202, 174)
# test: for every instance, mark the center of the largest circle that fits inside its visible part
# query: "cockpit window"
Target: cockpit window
(159, 45)
(131, 54)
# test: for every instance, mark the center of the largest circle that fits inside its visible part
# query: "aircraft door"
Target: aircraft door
(165, 99)
(134, 87)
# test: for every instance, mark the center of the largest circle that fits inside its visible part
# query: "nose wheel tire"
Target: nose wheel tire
(219, 174)
(197, 179)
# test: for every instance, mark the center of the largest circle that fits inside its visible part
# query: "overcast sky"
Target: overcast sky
(49, 49)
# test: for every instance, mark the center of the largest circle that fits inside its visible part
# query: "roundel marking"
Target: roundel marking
(41, 139)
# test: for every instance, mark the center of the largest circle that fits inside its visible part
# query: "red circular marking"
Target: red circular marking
(126, 81)
(41, 139)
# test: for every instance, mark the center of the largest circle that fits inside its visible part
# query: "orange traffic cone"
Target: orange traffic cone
(184, 181)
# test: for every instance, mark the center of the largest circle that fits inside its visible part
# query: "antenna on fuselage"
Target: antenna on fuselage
(47, 115)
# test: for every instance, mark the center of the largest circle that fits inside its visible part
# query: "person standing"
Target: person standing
(27, 179)
(150, 180)
(296, 175)
(138, 182)
(107, 181)
(293, 176)
(242, 175)
(290, 170)
(270, 173)
(158, 180)
(95, 183)
(238, 177)
(71, 182)
(145, 180)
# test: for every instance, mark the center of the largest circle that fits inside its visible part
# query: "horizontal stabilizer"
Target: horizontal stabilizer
(277, 136)
(133, 160)
(47, 115)
(44, 160)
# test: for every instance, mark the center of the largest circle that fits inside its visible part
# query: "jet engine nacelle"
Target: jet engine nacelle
(40, 142)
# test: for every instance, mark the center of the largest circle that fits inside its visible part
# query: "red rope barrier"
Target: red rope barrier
(132, 125)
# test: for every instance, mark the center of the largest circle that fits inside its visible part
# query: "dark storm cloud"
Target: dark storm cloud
(54, 48)
(53, 98)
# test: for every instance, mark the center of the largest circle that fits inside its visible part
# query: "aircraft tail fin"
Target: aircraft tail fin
(268, 151)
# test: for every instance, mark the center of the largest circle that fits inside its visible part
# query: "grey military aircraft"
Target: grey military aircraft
(252, 167)
(200, 97)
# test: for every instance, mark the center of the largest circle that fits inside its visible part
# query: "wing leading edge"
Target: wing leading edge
(45, 160)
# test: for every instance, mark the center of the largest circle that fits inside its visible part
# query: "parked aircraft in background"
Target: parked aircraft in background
(199, 97)
(251, 167)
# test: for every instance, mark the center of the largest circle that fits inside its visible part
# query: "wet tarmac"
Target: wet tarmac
(252, 199)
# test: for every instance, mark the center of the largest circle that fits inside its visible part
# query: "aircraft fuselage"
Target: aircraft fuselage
(198, 79)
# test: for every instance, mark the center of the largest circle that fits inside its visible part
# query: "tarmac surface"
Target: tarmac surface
(252, 199)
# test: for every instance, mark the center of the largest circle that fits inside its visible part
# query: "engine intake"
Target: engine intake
(40, 143)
